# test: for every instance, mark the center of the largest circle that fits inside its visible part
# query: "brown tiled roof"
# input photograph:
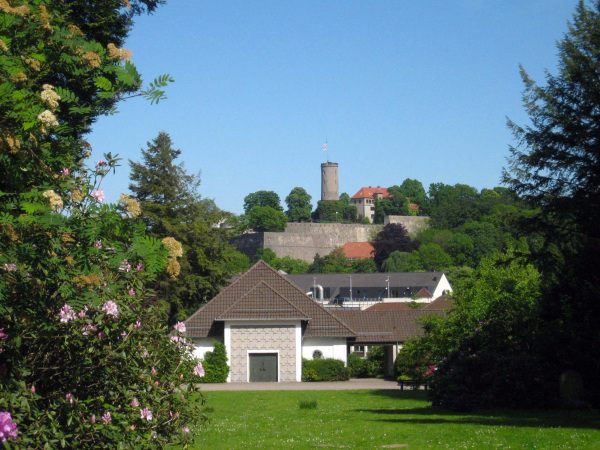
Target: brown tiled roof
(384, 326)
(362, 250)
(424, 292)
(262, 293)
(443, 302)
(390, 306)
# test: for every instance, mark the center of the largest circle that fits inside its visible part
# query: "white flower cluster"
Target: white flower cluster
(50, 97)
(48, 120)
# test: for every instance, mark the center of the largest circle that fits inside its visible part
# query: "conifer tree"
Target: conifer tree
(171, 206)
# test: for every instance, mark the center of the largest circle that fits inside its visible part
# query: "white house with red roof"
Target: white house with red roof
(366, 198)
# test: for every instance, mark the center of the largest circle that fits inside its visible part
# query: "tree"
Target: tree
(266, 218)
(555, 166)
(299, 207)
(334, 262)
(60, 68)
(171, 206)
(411, 190)
(397, 262)
(393, 237)
(430, 258)
(366, 265)
(262, 198)
(335, 211)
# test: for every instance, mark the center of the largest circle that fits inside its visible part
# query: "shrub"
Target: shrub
(215, 365)
(326, 369)
(375, 362)
(357, 366)
(307, 404)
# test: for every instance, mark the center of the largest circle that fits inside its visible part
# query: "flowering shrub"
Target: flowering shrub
(85, 357)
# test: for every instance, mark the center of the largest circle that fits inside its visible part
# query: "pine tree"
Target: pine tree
(172, 207)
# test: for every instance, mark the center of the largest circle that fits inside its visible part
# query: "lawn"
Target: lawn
(384, 419)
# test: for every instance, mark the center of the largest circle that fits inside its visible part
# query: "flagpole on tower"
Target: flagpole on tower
(325, 150)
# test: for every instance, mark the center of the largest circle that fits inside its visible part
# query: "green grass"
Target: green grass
(375, 419)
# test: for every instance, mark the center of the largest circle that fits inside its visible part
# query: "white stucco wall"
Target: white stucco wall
(443, 286)
(203, 345)
(330, 347)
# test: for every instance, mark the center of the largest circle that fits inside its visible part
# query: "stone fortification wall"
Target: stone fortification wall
(304, 240)
(412, 223)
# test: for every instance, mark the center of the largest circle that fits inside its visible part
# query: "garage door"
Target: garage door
(263, 367)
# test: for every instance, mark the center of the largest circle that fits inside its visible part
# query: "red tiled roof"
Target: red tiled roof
(262, 293)
(367, 192)
(424, 293)
(358, 250)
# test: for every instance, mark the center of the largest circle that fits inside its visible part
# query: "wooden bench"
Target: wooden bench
(413, 384)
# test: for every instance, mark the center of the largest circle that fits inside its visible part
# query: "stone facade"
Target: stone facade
(413, 224)
(248, 338)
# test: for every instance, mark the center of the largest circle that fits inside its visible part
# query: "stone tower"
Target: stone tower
(329, 181)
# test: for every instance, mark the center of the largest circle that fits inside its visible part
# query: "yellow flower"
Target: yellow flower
(50, 97)
(173, 269)
(132, 207)
(77, 195)
(54, 199)
(18, 77)
(92, 59)
(173, 246)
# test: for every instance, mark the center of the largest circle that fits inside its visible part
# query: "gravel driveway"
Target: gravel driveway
(355, 383)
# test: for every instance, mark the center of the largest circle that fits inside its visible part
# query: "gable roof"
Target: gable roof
(361, 250)
(390, 306)
(262, 293)
(384, 326)
(367, 192)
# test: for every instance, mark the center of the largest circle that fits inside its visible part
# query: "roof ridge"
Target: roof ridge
(260, 284)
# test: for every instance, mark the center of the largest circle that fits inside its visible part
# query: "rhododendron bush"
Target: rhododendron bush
(85, 358)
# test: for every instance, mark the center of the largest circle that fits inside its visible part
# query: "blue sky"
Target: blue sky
(399, 89)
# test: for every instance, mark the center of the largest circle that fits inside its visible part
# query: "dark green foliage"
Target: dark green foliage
(335, 262)
(429, 258)
(393, 237)
(375, 362)
(335, 211)
(555, 165)
(299, 207)
(266, 254)
(215, 365)
(397, 262)
(290, 265)
(266, 218)
(262, 198)
(324, 369)
(308, 404)
(358, 366)
(363, 266)
(413, 362)
(172, 207)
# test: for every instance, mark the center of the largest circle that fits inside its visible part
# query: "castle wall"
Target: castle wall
(304, 240)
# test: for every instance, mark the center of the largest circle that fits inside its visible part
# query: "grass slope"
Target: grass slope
(388, 418)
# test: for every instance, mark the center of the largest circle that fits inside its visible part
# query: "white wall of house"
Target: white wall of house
(203, 345)
(443, 286)
(334, 347)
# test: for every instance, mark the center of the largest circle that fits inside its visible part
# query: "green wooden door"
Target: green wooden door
(263, 367)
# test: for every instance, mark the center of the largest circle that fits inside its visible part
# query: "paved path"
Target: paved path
(355, 383)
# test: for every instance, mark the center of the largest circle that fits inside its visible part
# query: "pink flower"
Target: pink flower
(156, 383)
(8, 429)
(33, 389)
(145, 413)
(182, 396)
(185, 430)
(101, 163)
(123, 334)
(101, 335)
(125, 266)
(93, 419)
(65, 171)
(89, 328)
(132, 427)
(131, 291)
(110, 308)
(135, 403)
(153, 371)
(106, 418)
(138, 324)
(199, 370)
(139, 267)
(179, 327)
(69, 397)
(10, 267)
(98, 243)
(3, 336)
(66, 313)
(81, 313)
(98, 195)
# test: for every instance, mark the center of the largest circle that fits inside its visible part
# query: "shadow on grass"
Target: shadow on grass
(495, 417)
